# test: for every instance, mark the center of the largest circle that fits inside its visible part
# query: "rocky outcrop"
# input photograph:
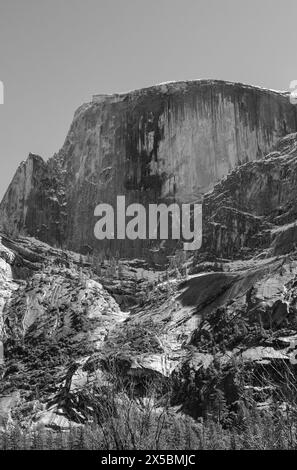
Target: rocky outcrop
(170, 142)
(254, 207)
(53, 314)
(216, 329)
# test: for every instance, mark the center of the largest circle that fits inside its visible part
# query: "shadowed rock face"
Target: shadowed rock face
(170, 142)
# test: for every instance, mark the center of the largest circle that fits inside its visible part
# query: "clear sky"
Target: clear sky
(54, 54)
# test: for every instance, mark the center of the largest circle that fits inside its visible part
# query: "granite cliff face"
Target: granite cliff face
(254, 208)
(218, 329)
(170, 142)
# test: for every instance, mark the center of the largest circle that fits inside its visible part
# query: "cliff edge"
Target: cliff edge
(170, 142)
